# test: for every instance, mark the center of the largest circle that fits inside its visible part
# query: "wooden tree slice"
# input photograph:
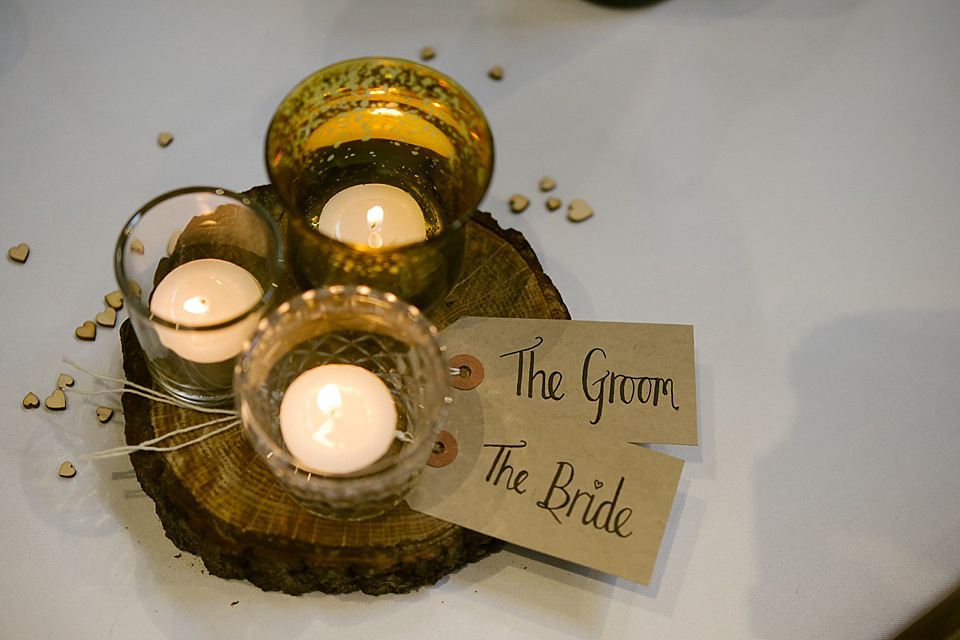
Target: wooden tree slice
(217, 499)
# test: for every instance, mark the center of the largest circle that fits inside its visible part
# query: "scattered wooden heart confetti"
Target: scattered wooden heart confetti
(578, 211)
(553, 203)
(547, 184)
(86, 331)
(56, 401)
(135, 286)
(19, 253)
(427, 53)
(104, 414)
(136, 246)
(64, 380)
(67, 470)
(518, 203)
(496, 73)
(114, 299)
(164, 138)
(31, 401)
(107, 317)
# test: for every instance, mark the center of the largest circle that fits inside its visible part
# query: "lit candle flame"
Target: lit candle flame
(330, 402)
(375, 220)
(329, 399)
(375, 217)
(197, 305)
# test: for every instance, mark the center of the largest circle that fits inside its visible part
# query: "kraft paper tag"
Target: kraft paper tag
(544, 458)
(629, 381)
(554, 488)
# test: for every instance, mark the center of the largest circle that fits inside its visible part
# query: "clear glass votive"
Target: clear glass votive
(380, 163)
(198, 267)
(343, 329)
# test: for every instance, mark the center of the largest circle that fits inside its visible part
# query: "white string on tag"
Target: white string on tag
(140, 390)
(230, 416)
(148, 445)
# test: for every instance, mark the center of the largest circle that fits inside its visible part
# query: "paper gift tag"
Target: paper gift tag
(554, 488)
(629, 381)
(543, 426)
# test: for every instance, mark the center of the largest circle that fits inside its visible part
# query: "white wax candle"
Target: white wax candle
(203, 293)
(373, 215)
(337, 418)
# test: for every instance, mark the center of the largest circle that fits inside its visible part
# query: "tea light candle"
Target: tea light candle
(373, 216)
(203, 293)
(337, 419)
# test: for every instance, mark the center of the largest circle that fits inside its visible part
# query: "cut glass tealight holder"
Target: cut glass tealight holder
(346, 327)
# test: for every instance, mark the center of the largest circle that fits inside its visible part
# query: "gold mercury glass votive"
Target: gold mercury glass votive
(380, 163)
(342, 392)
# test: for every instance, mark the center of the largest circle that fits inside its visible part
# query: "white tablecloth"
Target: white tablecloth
(782, 174)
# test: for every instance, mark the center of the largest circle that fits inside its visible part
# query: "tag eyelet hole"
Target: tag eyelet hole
(467, 372)
(445, 450)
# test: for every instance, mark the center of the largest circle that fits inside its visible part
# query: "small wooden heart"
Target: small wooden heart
(597, 484)
(135, 287)
(137, 246)
(64, 380)
(547, 184)
(56, 401)
(114, 299)
(107, 317)
(518, 203)
(578, 211)
(67, 470)
(164, 139)
(104, 414)
(553, 204)
(172, 242)
(86, 331)
(31, 401)
(19, 253)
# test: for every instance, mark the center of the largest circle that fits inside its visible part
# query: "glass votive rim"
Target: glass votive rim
(132, 297)
(392, 470)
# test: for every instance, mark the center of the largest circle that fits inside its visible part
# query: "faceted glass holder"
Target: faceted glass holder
(357, 326)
